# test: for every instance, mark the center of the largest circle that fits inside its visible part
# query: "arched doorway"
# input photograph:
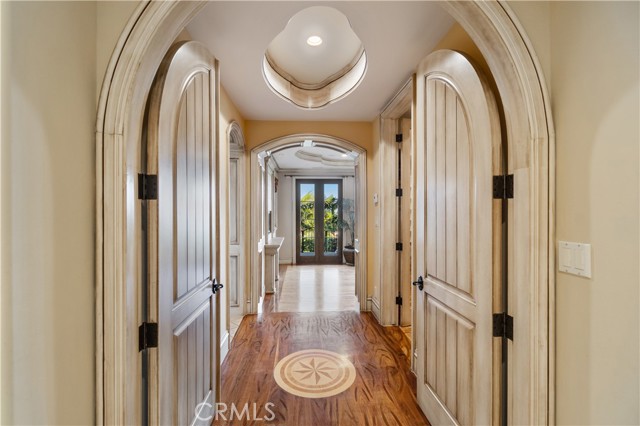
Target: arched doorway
(237, 304)
(257, 171)
(511, 58)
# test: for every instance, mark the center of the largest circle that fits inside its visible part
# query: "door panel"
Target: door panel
(183, 237)
(457, 134)
(318, 236)
(236, 271)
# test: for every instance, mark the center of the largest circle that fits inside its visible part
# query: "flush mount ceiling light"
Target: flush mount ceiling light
(314, 41)
(314, 78)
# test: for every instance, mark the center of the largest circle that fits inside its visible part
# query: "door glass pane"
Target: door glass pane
(307, 219)
(331, 203)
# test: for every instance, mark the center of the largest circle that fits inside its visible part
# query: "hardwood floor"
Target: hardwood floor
(383, 392)
(316, 288)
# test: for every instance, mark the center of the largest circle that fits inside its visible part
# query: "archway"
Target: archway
(361, 209)
(494, 29)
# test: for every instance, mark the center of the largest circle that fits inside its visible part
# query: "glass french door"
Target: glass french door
(318, 231)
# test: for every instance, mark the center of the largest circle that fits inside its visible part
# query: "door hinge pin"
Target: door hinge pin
(399, 300)
(399, 137)
(398, 246)
(398, 192)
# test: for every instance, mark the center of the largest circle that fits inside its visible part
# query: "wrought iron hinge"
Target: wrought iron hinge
(398, 192)
(503, 325)
(147, 187)
(503, 187)
(148, 335)
(399, 137)
(399, 246)
(399, 300)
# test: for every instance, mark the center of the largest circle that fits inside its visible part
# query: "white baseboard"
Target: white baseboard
(224, 346)
(373, 305)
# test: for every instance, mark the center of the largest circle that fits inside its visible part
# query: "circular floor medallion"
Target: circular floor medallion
(314, 373)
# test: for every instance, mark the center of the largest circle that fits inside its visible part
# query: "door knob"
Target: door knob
(419, 283)
(216, 286)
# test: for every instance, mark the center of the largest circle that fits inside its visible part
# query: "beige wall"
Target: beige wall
(593, 66)
(48, 226)
(357, 132)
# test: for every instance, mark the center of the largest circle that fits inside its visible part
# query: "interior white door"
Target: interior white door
(183, 229)
(236, 222)
(458, 142)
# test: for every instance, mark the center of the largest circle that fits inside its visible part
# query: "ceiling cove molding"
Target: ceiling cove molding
(315, 98)
(318, 172)
(314, 86)
(319, 158)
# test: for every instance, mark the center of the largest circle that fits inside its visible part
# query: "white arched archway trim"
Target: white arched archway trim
(142, 45)
(361, 203)
(235, 136)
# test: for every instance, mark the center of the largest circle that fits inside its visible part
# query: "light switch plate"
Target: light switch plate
(574, 258)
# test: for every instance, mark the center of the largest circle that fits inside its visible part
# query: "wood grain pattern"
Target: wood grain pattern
(458, 125)
(384, 390)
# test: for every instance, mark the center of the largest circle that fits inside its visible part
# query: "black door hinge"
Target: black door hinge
(399, 300)
(399, 137)
(398, 246)
(398, 192)
(503, 187)
(503, 325)
(148, 335)
(147, 187)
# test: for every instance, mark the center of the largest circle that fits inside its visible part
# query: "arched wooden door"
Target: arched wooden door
(457, 223)
(182, 237)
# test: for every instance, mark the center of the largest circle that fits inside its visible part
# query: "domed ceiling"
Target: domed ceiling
(317, 58)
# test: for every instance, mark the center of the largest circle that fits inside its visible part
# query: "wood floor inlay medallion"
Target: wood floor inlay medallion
(314, 373)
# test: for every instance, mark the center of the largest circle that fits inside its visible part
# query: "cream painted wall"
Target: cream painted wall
(357, 132)
(48, 199)
(112, 17)
(593, 66)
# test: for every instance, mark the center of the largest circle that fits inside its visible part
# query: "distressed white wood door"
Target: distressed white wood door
(458, 140)
(183, 228)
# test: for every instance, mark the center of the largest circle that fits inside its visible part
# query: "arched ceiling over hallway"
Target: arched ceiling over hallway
(394, 35)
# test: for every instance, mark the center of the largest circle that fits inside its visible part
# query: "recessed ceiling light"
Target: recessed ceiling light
(344, 155)
(314, 40)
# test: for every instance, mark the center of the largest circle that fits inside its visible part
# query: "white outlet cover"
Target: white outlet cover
(574, 258)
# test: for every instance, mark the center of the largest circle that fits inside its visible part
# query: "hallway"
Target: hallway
(324, 323)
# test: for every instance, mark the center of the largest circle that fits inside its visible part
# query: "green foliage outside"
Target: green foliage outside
(307, 223)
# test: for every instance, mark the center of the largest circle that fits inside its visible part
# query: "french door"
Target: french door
(318, 213)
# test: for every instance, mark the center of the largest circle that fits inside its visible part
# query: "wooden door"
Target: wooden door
(236, 230)
(183, 230)
(458, 151)
(318, 233)
(404, 223)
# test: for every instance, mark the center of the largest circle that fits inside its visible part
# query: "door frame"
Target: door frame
(151, 30)
(315, 182)
(256, 246)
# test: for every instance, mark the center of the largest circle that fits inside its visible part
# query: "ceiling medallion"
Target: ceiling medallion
(314, 78)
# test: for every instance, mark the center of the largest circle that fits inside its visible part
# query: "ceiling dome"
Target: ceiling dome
(317, 58)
